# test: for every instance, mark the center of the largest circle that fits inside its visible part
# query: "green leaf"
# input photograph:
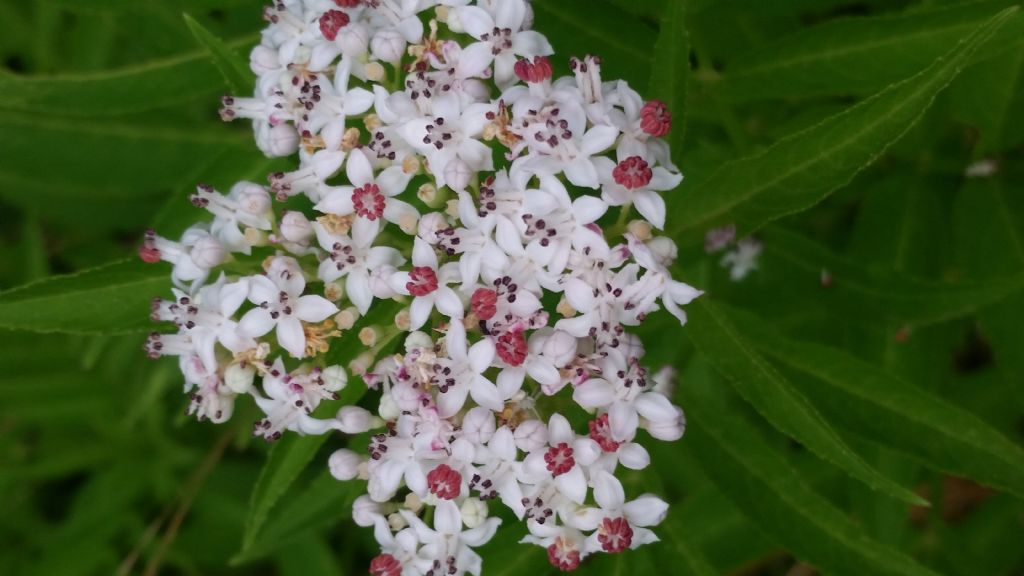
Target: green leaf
(233, 67)
(325, 502)
(800, 170)
(678, 551)
(622, 41)
(154, 84)
(990, 96)
(856, 55)
(876, 405)
(670, 72)
(860, 293)
(775, 398)
(287, 459)
(769, 491)
(106, 300)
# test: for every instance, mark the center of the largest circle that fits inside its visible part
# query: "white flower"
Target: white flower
(370, 197)
(461, 373)
(354, 258)
(447, 543)
(450, 136)
(426, 283)
(501, 36)
(281, 305)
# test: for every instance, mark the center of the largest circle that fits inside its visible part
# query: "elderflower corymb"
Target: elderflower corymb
(448, 180)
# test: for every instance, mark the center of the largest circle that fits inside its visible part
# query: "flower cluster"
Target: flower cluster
(447, 178)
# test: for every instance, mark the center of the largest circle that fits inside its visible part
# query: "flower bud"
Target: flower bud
(353, 39)
(429, 226)
(374, 72)
(208, 253)
(346, 318)
(278, 141)
(560, 347)
(344, 464)
(531, 435)
(388, 409)
(478, 425)
(252, 198)
(412, 503)
(396, 521)
(295, 227)
(263, 60)
(457, 174)
(368, 336)
(388, 45)
(354, 420)
(474, 512)
(239, 377)
(365, 511)
(334, 378)
(664, 249)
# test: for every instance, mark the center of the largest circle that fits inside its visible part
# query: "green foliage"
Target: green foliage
(870, 363)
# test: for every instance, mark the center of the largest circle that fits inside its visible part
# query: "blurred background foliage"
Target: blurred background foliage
(874, 360)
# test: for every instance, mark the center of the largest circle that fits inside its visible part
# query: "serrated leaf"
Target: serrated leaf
(855, 55)
(732, 354)
(769, 491)
(233, 67)
(800, 170)
(670, 72)
(870, 294)
(287, 459)
(106, 300)
(870, 402)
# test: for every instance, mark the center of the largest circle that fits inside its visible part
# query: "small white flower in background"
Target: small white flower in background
(445, 235)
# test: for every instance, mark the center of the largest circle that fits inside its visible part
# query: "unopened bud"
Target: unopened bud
(361, 364)
(565, 309)
(344, 464)
(402, 320)
(396, 521)
(531, 435)
(368, 336)
(408, 223)
(641, 229)
(239, 377)
(208, 252)
(412, 503)
(410, 164)
(333, 291)
(374, 72)
(364, 511)
(388, 45)
(350, 141)
(334, 378)
(345, 319)
(457, 174)
(372, 122)
(427, 193)
(254, 237)
(295, 227)
(388, 409)
(354, 420)
(474, 512)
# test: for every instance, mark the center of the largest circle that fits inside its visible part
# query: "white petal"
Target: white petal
(357, 288)
(486, 394)
(232, 295)
(581, 173)
(312, 308)
(419, 311)
(622, 421)
(594, 393)
(598, 139)
(608, 492)
(338, 201)
(559, 430)
(646, 511)
(448, 303)
(573, 484)
(587, 209)
(256, 323)
(634, 456)
(651, 206)
(423, 254)
(475, 21)
(580, 295)
(291, 337)
(510, 381)
(481, 354)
